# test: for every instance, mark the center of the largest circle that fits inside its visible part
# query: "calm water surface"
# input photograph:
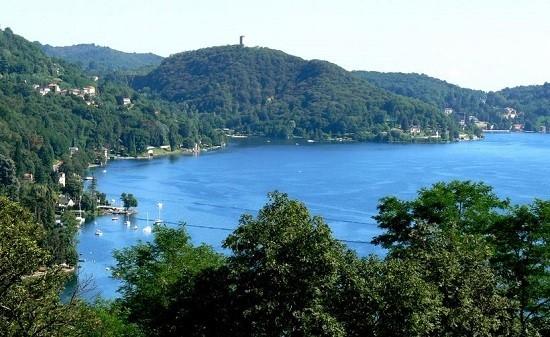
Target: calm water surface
(341, 182)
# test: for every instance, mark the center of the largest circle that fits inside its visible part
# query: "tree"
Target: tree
(29, 299)
(466, 206)
(158, 279)
(444, 231)
(521, 241)
(128, 200)
(284, 263)
(9, 184)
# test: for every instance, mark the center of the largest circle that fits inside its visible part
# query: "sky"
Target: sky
(483, 44)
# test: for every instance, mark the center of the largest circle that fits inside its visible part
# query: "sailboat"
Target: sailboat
(79, 218)
(147, 229)
(158, 220)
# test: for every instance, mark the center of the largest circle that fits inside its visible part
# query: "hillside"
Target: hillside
(534, 100)
(264, 91)
(98, 59)
(53, 113)
(531, 101)
(427, 89)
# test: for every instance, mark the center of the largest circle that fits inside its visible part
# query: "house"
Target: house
(75, 92)
(54, 87)
(509, 113)
(126, 101)
(448, 111)
(517, 127)
(28, 177)
(62, 179)
(90, 90)
(165, 147)
(73, 150)
(415, 130)
(482, 125)
(150, 148)
(65, 201)
(44, 91)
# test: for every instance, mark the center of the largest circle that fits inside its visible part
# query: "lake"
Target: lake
(341, 182)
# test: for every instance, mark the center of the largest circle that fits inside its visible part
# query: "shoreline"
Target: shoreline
(165, 153)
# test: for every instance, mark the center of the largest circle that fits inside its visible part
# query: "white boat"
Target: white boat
(89, 178)
(114, 218)
(127, 223)
(98, 232)
(159, 220)
(135, 227)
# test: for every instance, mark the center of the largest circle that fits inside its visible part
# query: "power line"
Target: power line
(227, 229)
(254, 211)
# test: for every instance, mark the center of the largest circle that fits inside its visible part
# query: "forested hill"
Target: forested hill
(100, 60)
(260, 90)
(533, 99)
(53, 113)
(428, 89)
(532, 102)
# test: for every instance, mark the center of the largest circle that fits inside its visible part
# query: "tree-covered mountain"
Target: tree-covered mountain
(265, 91)
(531, 102)
(100, 60)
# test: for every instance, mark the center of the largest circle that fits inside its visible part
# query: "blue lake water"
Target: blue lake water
(341, 182)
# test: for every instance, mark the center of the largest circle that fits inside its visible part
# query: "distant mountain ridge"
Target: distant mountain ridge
(94, 58)
(266, 91)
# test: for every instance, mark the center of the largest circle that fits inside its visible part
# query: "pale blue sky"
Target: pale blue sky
(484, 44)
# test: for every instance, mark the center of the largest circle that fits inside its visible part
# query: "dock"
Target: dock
(107, 209)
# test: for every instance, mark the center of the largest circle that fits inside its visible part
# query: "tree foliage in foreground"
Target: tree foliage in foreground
(460, 262)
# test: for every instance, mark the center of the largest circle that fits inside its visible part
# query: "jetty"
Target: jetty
(108, 209)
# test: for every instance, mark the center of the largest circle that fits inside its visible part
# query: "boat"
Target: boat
(104, 171)
(89, 178)
(158, 221)
(114, 218)
(135, 227)
(80, 219)
(98, 232)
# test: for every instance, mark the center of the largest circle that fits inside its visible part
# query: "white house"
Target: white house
(62, 179)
